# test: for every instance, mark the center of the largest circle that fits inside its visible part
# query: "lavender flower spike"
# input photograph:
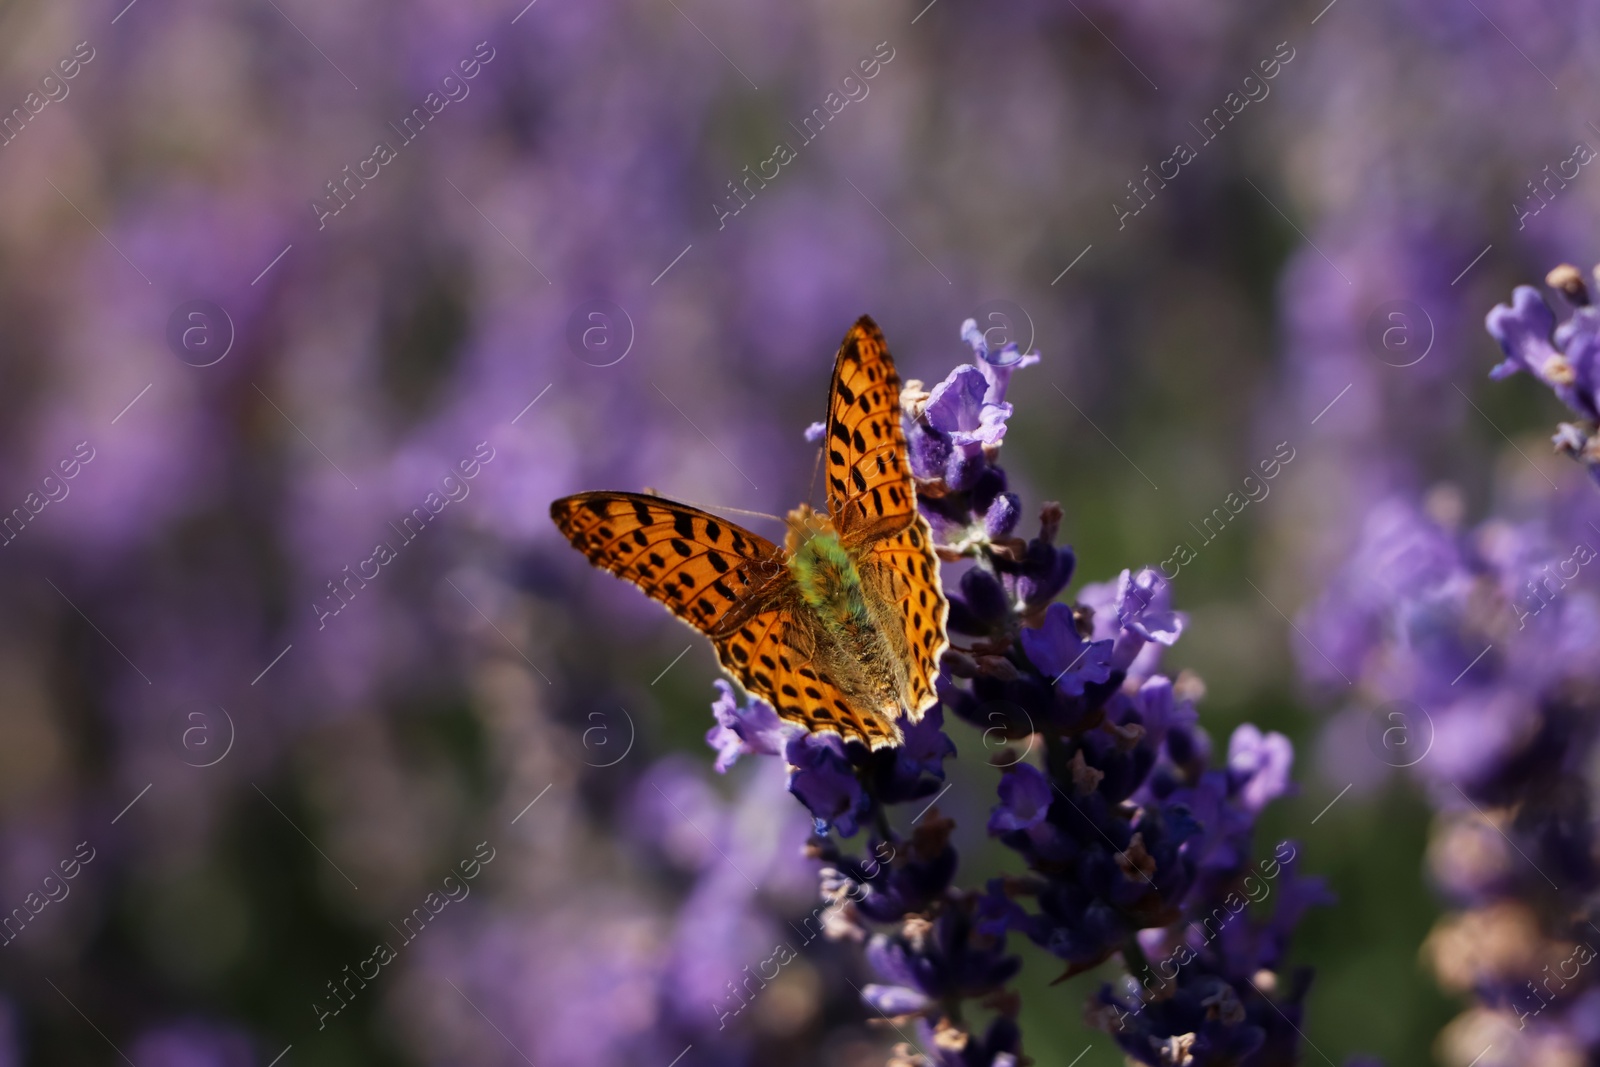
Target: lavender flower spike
(1128, 835)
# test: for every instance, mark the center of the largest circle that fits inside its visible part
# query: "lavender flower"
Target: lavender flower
(1566, 358)
(745, 728)
(1130, 839)
(1486, 636)
(1215, 993)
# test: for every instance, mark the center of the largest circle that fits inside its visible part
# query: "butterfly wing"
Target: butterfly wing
(874, 507)
(903, 571)
(869, 481)
(709, 572)
(730, 584)
(735, 586)
(772, 653)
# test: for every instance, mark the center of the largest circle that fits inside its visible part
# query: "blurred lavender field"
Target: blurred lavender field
(308, 312)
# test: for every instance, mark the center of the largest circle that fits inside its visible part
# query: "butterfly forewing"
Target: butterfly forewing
(706, 570)
(869, 481)
(874, 506)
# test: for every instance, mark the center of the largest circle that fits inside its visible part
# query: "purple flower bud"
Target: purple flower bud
(990, 484)
(1001, 518)
(985, 598)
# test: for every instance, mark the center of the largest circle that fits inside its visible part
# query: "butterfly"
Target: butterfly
(840, 630)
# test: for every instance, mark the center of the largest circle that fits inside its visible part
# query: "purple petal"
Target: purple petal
(1057, 650)
(926, 745)
(890, 960)
(998, 370)
(1523, 330)
(955, 405)
(1260, 763)
(996, 367)
(1144, 606)
(750, 729)
(1024, 800)
(1579, 339)
(822, 779)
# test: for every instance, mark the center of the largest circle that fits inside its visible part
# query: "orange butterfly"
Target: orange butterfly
(841, 630)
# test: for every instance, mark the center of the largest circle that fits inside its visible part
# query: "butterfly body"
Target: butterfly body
(850, 618)
(828, 578)
(840, 630)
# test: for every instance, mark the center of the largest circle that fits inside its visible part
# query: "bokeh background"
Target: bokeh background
(267, 787)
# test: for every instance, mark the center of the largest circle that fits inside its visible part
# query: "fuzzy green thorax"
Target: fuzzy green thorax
(830, 583)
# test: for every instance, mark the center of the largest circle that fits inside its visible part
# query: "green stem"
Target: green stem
(881, 821)
(1133, 957)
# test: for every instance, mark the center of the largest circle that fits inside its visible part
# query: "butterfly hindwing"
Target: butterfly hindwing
(707, 570)
(869, 480)
(772, 653)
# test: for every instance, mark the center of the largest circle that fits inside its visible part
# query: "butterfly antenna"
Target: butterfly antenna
(719, 507)
(816, 469)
